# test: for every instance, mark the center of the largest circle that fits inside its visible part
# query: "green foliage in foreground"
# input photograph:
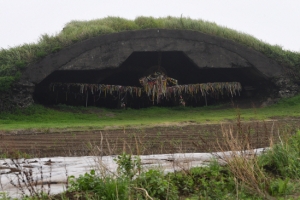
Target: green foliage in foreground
(15, 59)
(101, 188)
(67, 117)
(284, 158)
(214, 181)
(211, 182)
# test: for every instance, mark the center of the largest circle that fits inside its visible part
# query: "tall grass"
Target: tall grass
(269, 175)
(15, 59)
(284, 157)
(243, 164)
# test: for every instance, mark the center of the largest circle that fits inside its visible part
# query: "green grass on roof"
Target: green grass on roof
(13, 60)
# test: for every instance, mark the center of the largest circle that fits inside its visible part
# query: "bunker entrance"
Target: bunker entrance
(153, 78)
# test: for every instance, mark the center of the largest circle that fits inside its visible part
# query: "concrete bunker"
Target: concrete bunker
(174, 64)
(122, 58)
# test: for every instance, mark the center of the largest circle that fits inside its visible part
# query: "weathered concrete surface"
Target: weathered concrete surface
(109, 51)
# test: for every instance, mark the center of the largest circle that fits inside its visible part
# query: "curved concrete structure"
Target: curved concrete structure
(110, 51)
(122, 58)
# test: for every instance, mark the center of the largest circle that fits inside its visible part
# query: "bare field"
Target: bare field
(142, 141)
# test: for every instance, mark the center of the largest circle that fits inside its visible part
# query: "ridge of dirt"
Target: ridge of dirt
(169, 138)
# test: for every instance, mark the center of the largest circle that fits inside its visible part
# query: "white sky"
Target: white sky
(272, 21)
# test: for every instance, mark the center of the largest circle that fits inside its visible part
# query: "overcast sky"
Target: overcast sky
(272, 21)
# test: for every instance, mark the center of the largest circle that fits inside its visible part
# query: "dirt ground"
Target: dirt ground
(155, 140)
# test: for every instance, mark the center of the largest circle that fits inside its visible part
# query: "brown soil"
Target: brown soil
(152, 140)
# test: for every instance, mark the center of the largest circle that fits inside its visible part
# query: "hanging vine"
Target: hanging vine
(156, 86)
(153, 90)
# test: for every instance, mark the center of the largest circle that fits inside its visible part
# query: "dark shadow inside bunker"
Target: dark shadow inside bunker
(174, 63)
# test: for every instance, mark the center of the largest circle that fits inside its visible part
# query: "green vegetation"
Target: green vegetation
(244, 176)
(15, 155)
(276, 172)
(96, 187)
(13, 60)
(210, 182)
(284, 158)
(64, 117)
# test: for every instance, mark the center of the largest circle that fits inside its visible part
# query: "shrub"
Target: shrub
(212, 182)
(106, 188)
(5, 82)
(156, 184)
(284, 158)
(4, 196)
(148, 22)
(128, 166)
(280, 187)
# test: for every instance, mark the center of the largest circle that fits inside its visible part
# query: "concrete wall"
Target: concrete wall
(109, 51)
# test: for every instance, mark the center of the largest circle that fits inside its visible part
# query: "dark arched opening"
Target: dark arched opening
(174, 63)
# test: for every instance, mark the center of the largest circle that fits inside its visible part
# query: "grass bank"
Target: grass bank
(62, 117)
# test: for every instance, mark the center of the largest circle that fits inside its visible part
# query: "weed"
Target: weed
(15, 154)
(4, 196)
(279, 187)
(29, 183)
(242, 161)
(266, 175)
(128, 166)
(210, 182)
(102, 188)
(157, 185)
(283, 159)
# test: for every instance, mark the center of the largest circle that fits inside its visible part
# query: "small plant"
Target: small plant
(4, 196)
(284, 158)
(85, 182)
(242, 161)
(16, 154)
(210, 182)
(280, 187)
(56, 49)
(128, 166)
(102, 188)
(157, 185)
(30, 184)
(41, 54)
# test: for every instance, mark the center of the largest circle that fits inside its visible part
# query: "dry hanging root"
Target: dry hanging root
(154, 87)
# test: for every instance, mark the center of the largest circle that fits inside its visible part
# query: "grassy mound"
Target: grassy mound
(13, 60)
